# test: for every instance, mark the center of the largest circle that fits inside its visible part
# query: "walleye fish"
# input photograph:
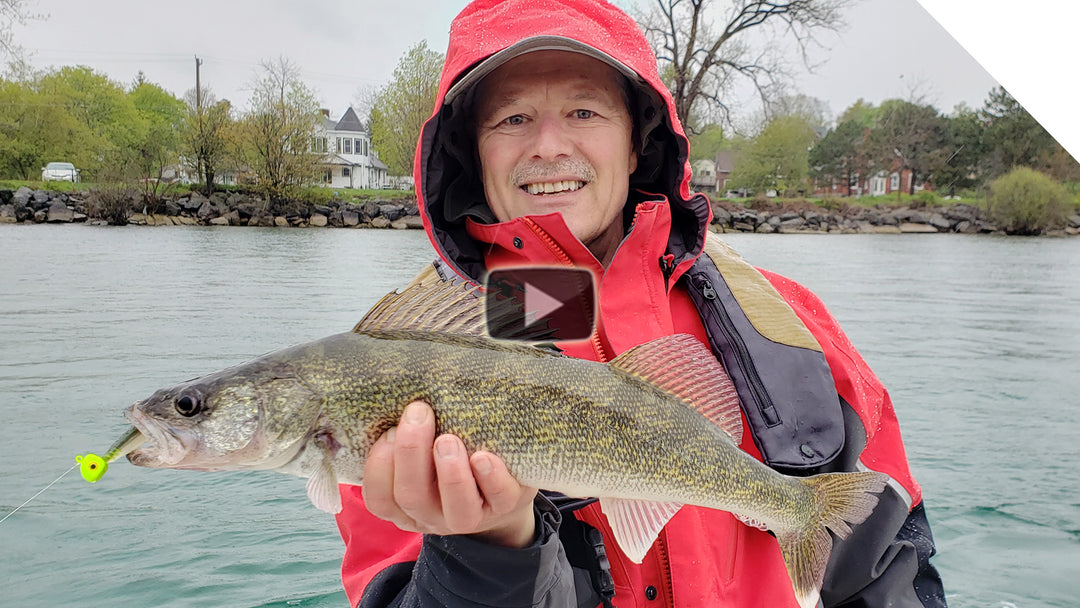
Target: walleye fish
(656, 428)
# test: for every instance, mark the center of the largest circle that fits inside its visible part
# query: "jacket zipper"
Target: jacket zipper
(758, 392)
(665, 571)
(560, 253)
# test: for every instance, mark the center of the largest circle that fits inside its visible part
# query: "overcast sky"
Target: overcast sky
(890, 48)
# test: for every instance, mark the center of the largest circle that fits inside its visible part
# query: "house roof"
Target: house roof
(725, 161)
(365, 161)
(350, 122)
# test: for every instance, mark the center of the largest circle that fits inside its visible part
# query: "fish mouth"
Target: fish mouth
(164, 446)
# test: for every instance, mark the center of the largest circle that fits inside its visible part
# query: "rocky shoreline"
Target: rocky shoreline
(806, 217)
(219, 209)
(236, 209)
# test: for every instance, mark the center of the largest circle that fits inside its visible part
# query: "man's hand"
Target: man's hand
(431, 485)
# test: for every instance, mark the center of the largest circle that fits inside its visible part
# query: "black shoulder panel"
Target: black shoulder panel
(786, 392)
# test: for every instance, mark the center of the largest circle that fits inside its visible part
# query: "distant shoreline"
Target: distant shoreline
(234, 209)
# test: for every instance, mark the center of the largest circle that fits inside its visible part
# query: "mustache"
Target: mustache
(534, 172)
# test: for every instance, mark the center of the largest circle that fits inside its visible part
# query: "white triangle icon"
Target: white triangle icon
(538, 304)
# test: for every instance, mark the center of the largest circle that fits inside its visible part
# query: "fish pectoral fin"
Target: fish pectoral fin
(637, 523)
(322, 489)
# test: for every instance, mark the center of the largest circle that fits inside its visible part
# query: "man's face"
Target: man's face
(554, 134)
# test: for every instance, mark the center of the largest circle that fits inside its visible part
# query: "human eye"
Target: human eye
(513, 121)
(583, 114)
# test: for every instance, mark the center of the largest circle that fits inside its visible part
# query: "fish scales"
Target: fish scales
(646, 433)
(563, 424)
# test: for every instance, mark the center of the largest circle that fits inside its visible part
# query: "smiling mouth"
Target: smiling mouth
(543, 188)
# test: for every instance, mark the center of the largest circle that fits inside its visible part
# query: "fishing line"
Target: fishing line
(39, 492)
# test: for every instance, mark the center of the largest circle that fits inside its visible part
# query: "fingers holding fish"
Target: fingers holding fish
(505, 500)
(479, 497)
(416, 491)
(378, 487)
(462, 505)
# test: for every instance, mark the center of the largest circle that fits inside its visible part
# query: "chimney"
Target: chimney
(325, 112)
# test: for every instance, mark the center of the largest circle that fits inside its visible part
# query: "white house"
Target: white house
(703, 179)
(351, 161)
(711, 175)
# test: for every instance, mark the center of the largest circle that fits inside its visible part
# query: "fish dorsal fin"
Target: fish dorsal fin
(439, 306)
(684, 367)
(448, 308)
(637, 523)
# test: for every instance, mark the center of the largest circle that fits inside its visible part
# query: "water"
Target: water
(975, 337)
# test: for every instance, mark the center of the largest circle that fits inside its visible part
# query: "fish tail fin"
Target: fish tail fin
(841, 501)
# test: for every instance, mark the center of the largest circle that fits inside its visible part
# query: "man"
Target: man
(555, 143)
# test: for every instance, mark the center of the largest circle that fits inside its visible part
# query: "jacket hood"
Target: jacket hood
(447, 175)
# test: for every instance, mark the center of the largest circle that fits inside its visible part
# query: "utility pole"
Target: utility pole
(198, 112)
(198, 87)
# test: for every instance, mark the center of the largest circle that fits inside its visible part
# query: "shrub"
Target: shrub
(1024, 201)
(111, 204)
(927, 198)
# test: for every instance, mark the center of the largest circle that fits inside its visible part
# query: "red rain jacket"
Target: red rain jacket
(703, 557)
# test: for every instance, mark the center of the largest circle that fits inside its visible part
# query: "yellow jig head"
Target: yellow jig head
(93, 466)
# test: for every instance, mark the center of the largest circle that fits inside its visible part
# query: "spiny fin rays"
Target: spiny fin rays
(448, 308)
(684, 367)
(438, 307)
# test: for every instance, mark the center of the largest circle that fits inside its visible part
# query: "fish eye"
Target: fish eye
(188, 405)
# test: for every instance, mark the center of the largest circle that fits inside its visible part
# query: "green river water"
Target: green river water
(976, 337)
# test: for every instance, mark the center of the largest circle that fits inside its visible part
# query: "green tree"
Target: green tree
(964, 144)
(36, 129)
(706, 48)
(1013, 137)
(909, 136)
(707, 143)
(278, 133)
(862, 113)
(403, 105)
(777, 159)
(841, 156)
(113, 125)
(163, 115)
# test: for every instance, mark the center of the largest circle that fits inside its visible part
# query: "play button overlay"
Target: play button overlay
(540, 304)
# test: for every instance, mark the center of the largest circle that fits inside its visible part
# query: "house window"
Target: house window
(365, 146)
(894, 182)
(329, 176)
(346, 146)
(357, 145)
(345, 170)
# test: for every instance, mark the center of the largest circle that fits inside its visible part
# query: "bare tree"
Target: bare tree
(706, 47)
(204, 135)
(278, 133)
(13, 12)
